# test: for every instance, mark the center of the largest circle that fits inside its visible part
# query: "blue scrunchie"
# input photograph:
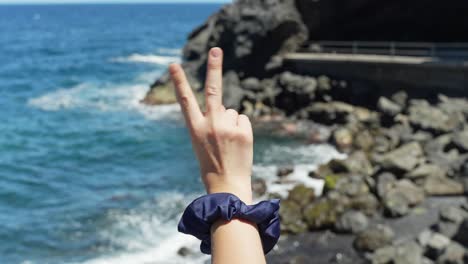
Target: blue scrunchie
(204, 211)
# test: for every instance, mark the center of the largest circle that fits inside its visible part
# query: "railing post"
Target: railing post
(392, 48)
(433, 50)
(355, 47)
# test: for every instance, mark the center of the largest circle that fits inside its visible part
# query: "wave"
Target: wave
(170, 51)
(148, 58)
(303, 159)
(147, 237)
(105, 98)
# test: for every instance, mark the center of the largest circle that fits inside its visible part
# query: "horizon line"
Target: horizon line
(114, 2)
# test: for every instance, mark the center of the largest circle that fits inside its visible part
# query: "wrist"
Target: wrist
(243, 192)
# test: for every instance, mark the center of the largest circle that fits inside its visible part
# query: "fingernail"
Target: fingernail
(216, 52)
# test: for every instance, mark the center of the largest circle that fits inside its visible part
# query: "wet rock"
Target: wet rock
(424, 237)
(259, 187)
(251, 84)
(291, 217)
(425, 116)
(329, 113)
(461, 236)
(436, 245)
(296, 92)
(302, 195)
(184, 252)
(396, 205)
(400, 98)
(356, 163)
(453, 254)
(384, 255)
(453, 214)
(443, 186)
(460, 139)
(352, 222)
(352, 185)
(448, 229)
(373, 238)
(301, 85)
(424, 171)
(323, 83)
(364, 141)
(408, 253)
(232, 92)
(454, 106)
(404, 158)
(413, 193)
(385, 182)
(320, 214)
(284, 171)
(366, 203)
(342, 138)
(388, 107)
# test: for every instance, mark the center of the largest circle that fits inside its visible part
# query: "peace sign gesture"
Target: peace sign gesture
(222, 139)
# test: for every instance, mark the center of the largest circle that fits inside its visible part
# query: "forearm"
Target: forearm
(236, 241)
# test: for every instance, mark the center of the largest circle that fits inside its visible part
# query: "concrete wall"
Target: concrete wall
(404, 72)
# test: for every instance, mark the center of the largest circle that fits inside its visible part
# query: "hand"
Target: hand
(222, 139)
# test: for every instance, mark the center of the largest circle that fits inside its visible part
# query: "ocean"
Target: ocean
(87, 173)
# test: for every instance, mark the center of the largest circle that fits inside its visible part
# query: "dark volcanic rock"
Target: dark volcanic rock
(460, 139)
(251, 33)
(428, 117)
(404, 158)
(352, 222)
(436, 245)
(302, 195)
(443, 186)
(388, 107)
(321, 214)
(259, 187)
(408, 252)
(453, 254)
(401, 196)
(374, 238)
(291, 217)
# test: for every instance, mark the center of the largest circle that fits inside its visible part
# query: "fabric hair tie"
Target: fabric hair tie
(203, 212)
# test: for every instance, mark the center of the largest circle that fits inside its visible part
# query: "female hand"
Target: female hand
(222, 139)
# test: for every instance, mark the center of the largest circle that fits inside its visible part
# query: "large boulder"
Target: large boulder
(351, 221)
(252, 34)
(443, 186)
(404, 158)
(291, 217)
(373, 238)
(401, 196)
(424, 116)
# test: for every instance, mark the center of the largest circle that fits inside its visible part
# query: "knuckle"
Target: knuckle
(245, 138)
(211, 90)
(184, 101)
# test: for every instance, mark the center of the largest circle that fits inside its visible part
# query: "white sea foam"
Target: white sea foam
(148, 58)
(170, 51)
(304, 159)
(147, 237)
(96, 97)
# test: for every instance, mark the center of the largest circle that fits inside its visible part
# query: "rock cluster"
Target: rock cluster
(393, 164)
(433, 245)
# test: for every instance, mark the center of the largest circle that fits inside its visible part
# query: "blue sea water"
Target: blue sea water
(87, 173)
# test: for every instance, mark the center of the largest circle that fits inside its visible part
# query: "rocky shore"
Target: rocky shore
(399, 196)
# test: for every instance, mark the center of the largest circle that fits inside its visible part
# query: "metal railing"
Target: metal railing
(455, 51)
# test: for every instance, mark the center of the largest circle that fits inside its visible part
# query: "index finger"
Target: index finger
(187, 101)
